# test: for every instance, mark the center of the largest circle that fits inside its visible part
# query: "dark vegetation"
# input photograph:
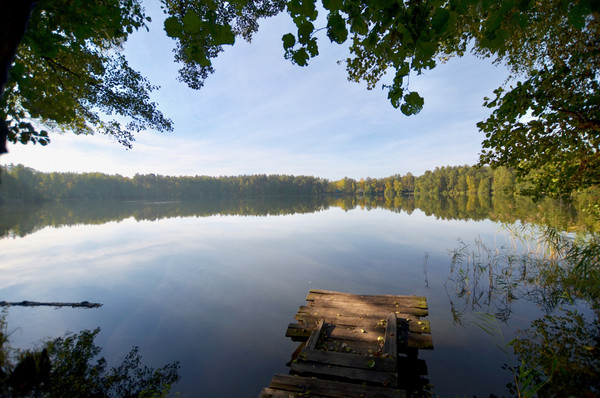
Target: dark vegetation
(70, 366)
(21, 220)
(24, 185)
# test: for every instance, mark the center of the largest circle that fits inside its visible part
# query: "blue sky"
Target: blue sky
(260, 114)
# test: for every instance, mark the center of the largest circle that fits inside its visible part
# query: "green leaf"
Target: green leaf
(578, 14)
(300, 57)
(173, 27)
(302, 8)
(395, 92)
(371, 363)
(333, 5)
(413, 104)
(336, 28)
(289, 40)
(426, 49)
(192, 22)
(293, 7)
(312, 47)
(223, 35)
(196, 54)
(305, 29)
(359, 26)
(309, 10)
(493, 21)
(439, 20)
(404, 70)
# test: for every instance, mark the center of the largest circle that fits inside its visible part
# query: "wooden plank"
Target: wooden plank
(358, 334)
(419, 326)
(365, 307)
(412, 301)
(390, 340)
(357, 311)
(332, 389)
(271, 393)
(310, 320)
(421, 341)
(350, 346)
(322, 292)
(349, 360)
(314, 336)
(405, 339)
(296, 330)
(331, 292)
(388, 379)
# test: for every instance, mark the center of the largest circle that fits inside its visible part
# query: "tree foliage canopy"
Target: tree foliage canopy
(548, 125)
(68, 69)
(201, 28)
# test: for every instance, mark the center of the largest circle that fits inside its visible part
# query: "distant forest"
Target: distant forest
(20, 184)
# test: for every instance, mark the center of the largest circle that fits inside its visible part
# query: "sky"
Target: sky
(260, 114)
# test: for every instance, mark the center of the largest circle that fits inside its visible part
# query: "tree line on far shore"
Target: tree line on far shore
(22, 184)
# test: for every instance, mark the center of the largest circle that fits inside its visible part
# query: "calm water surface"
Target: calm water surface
(216, 292)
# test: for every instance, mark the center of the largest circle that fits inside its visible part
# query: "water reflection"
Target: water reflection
(71, 367)
(20, 220)
(196, 282)
(557, 353)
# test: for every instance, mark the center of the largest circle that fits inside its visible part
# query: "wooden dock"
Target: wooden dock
(355, 346)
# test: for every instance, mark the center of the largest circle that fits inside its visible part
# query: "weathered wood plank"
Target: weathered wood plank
(314, 336)
(353, 337)
(332, 389)
(358, 334)
(346, 294)
(340, 311)
(352, 346)
(406, 301)
(366, 307)
(419, 326)
(390, 342)
(421, 341)
(296, 330)
(350, 319)
(349, 360)
(388, 379)
(409, 340)
(271, 393)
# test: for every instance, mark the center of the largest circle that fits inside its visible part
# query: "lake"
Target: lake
(214, 285)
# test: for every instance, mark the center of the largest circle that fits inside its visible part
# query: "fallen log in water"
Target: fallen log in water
(25, 303)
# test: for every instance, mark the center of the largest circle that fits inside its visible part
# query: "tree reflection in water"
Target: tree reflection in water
(559, 353)
(71, 367)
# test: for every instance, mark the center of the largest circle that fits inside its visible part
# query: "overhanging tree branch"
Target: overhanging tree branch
(14, 16)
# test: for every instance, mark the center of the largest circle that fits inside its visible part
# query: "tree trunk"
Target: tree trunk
(14, 15)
